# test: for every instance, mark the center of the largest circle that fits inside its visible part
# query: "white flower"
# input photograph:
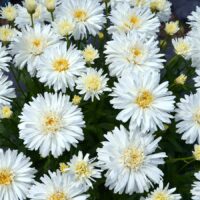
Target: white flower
(130, 161)
(30, 45)
(7, 33)
(172, 28)
(90, 54)
(92, 84)
(197, 79)
(60, 69)
(114, 3)
(6, 91)
(83, 170)
(125, 19)
(51, 124)
(163, 193)
(4, 58)
(194, 18)
(57, 186)
(162, 8)
(87, 14)
(16, 175)
(196, 187)
(30, 5)
(182, 47)
(132, 52)
(188, 117)
(39, 16)
(5, 111)
(143, 100)
(8, 12)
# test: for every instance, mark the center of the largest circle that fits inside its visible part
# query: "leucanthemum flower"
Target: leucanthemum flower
(194, 18)
(16, 175)
(163, 193)
(9, 12)
(87, 14)
(143, 100)
(131, 164)
(7, 33)
(57, 186)
(172, 28)
(4, 58)
(90, 54)
(51, 124)
(30, 45)
(196, 187)
(5, 112)
(162, 8)
(61, 69)
(132, 52)
(114, 3)
(92, 84)
(7, 92)
(188, 118)
(83, 169)
(125, 18)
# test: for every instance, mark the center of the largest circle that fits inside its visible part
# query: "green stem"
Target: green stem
(52, 17)
(181, 159)
(32, 23)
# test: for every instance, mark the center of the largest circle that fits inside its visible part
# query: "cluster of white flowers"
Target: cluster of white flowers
(55, 42)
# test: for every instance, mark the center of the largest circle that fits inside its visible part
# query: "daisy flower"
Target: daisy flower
(92, 84)
(51, 124)
(172, 28)
(162, 8)
(87, 14)
(143, 100)
(30, 45)
(114, 3)
(163, 193)
(83, 169)
(61, 69)
(57, 186)
(125, 18)
(131, 164)
(194, 18)
(7, 34)
(188, 118)
(7, 93)
(90, 54)
(8, 12)
(5, 112)
(196, 187)
(16, 175)
(4, 58)
(132, 52)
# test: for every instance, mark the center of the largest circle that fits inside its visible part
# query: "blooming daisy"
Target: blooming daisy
(188, 118)
(125, 18)
(7, 34)
(6, 91)
(131, 164)
(8, 12)
(92, 84)
(162, 8)
(61, 69)
(5, 111)
(196, 187)
(194, 18)
(57, 186)
(51, 124)
(163, 193)
(83, 169)
(143, 100)
(16, 175)
(132, 52)
(30, 45)
(4, 58)
(90, 54)
(172, 28)
(87, 14)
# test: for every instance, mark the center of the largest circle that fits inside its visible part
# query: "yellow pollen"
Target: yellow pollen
(180, 80)
(9, 12)
(82, 169)
(37, 46)
(132, 158)
(61, 65)
(6, 112)
(6, 177)
(51, 123)
(58, 196)
(92, 83)
(63, 167)
(144, 99)
(6, 34)
(136, 52)
(161, 196)
(80, 15)
(135, 21)
(76, 100)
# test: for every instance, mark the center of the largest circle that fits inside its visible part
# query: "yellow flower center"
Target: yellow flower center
(172, 27)
(6, 34)
(9, 13)
(63, 167)
(182, 48)
(51, 123)
(89, 54)
(65, 27)
(6, 177)
(161, 196)
(37, 46)
(136, 52)
(92, 83)
(61, 65)
(76, 100)
(6, 112)
(80, 15)
(144, 99)
(58, 196)
(132, 158)
(82, 169)
(135, 21)
(157, 5)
